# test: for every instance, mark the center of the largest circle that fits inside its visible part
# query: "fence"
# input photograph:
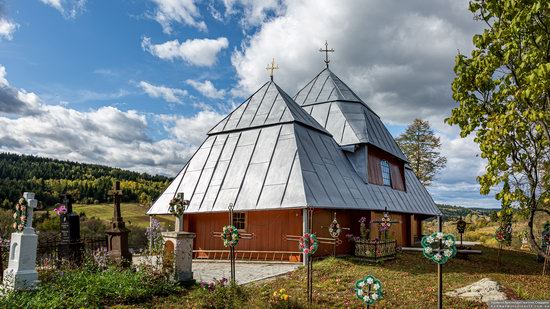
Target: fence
(51, 251)
(249, 255)
(376, 250)
(4, 252)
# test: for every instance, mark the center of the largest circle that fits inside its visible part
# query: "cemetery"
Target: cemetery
(302, 200)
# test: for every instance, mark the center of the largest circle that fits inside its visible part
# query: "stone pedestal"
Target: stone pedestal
(182, 244)
(21, 272)
(118, 245)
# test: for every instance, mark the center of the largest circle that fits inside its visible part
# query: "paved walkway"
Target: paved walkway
(245, 272)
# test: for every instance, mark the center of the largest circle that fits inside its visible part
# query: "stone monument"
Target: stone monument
(181, 244)
(71, 245)
(21, 272)
(118, 233)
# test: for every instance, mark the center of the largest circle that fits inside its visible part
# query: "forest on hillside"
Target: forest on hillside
(49, 179)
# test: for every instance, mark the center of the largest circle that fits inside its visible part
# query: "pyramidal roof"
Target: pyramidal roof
(339, 110)
(270, 154)
(269, 105)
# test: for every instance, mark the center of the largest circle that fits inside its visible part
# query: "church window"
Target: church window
(239, 220)
(386, 175)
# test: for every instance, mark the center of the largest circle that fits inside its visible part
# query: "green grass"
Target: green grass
(133, 214)
(410, 281)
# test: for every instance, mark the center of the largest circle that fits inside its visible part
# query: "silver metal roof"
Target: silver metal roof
(270, 154)
(350, 120)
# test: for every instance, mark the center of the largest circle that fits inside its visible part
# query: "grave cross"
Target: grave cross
(326, 51)
(335, 230)
(461, 228)
(386, 223)
(117, 194)
(232, 247)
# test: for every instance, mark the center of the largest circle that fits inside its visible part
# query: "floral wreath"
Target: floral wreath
(434, 254)
(504, 234)
(386, 222)
(309, 244)
(334, 229)
(60, 210)
(230, 236)
(178, 206)
(20, 215)
(369, 290)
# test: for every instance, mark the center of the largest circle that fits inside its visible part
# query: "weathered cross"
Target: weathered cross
(334, 230)
(461, 228)
(231, 247)
(271, 67)
(385, 220)
(326, 51)
(116, 193)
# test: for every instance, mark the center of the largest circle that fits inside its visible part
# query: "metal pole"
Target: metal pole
(440, 268)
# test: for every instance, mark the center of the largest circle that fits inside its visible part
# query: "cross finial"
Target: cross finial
(271, 67)
(326, 51)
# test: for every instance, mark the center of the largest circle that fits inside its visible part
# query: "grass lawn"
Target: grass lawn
(132, 213)
(410, 281)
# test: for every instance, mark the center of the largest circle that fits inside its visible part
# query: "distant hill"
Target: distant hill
(87, 183)
(451, 211)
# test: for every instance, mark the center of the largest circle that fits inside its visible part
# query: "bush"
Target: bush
(87, 288)
(219, 295)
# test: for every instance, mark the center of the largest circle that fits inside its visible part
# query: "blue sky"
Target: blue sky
(137, 84)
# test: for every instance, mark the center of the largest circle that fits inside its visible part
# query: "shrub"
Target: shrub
(219, 295)
(87, 288)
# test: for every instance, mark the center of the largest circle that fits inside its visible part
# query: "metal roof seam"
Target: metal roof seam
(269, 164)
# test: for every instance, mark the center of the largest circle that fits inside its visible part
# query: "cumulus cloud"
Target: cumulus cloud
(106, 135)
(70, 9)
(7, 28)
(172, 95)
(199, 52)
(13, 100)
(185, 12)
(206, 88)
(253, 12)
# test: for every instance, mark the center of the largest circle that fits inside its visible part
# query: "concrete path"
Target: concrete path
(245, 272)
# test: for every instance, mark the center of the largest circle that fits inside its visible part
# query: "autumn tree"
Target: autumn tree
(421, 147)
(503, 88)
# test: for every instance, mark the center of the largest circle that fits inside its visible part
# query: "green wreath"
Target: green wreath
(308, 244)
(20, 215)
(369, 290)
(177, 206)
(230, 236)
(433, 253)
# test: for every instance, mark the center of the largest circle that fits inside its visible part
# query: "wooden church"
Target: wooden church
(287, 163)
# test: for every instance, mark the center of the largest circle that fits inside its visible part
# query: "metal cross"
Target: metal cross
(335, 236)
(271, 67)
(461, 228)
(380, 221)
(326, 51)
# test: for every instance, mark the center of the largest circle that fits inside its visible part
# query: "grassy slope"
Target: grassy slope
(409, 282)
(132, 213)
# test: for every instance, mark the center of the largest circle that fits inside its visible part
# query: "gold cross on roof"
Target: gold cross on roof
(271, 67)
(326, 51)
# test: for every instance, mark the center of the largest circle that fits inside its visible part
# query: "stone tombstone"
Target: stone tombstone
(21, 272)
(71, 245)
(118, 233)
(181, 244)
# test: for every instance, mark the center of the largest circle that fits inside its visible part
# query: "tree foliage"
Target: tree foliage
(421, 147)
(49, 179)
(503, 90)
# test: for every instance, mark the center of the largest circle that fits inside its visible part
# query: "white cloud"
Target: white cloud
(7, 28)
(199, 52)
(206, 88)
(254, 12)
(105, 135)
(70, 9)
(13, 100)
(172, 95)
(178, 11)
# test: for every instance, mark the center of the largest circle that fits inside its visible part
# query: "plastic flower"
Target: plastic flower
(306, 251)
(448, 253)
(437, 257)
(439, 235)
(366, 298)
(429, 239)
(374, 296)
(376, 286)
(360, 292)
(449, 242)
(428, 250)
(361, 284)
(23, 208)
(370, 281)
(15, 215)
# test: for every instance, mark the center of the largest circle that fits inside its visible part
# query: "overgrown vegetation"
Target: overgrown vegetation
(49, 179)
